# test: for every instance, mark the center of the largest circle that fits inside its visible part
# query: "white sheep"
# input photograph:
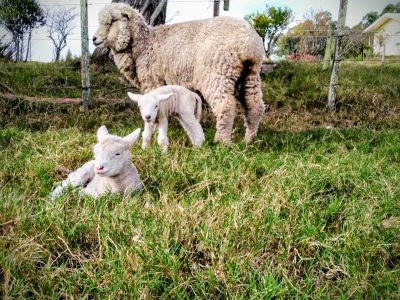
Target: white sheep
(219, 57)
(110, 171)
(157, 105)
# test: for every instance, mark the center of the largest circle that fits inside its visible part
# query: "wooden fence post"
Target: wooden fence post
(216, 8)
(85, 56)
(337, 56)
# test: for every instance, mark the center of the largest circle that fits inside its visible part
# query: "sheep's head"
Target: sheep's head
(149, 104)
(113, 31)
(112, 152)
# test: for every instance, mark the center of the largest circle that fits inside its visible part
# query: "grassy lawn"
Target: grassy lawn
(305, 212)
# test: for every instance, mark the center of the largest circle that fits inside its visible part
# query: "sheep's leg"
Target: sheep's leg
(225, 112)
(79, 178)
(146, 135)
(193, 129)
(254, 106)
(162, 137)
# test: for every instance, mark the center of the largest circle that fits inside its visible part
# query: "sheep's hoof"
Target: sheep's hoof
(225, 141)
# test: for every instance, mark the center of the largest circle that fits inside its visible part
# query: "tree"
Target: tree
(369, 18)
(309, 36)
(60, 24)
(270, 24)
(20, 17)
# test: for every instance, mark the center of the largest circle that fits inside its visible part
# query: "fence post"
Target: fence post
(85, 56)
(337, 56)
(216, 8)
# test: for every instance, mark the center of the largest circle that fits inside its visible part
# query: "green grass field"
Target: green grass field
(306, 212)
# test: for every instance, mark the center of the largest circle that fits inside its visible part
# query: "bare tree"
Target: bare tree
(60, 24)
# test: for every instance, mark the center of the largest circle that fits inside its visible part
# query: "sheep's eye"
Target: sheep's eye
(156, 106)
(117, 154)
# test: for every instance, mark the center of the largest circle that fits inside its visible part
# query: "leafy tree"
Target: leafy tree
(20, 17)
(369, 18)
(391, 8)
(270, 24)
(309, 36)
(60, 24)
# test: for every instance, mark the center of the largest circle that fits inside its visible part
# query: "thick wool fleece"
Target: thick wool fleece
(218, 57)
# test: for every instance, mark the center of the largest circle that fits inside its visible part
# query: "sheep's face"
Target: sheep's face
(113, 31)
(149, 104)
(112, 152)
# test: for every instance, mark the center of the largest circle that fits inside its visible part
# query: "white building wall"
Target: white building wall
(392, 45)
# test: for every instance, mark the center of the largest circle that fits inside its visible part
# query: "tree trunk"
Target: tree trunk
(147, 8)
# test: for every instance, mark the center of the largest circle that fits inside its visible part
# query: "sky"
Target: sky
(185, 10)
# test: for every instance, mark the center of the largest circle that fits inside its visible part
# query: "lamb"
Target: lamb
(219, 58)
(157, 105)
(110, 171)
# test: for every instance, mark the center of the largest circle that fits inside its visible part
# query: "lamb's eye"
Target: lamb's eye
(156, 106)
(117, 154)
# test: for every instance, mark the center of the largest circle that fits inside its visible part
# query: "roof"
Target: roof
(382, 20)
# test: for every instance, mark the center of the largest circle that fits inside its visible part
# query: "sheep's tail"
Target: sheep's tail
(198, 106)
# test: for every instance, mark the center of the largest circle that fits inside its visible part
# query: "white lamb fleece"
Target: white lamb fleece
(110, 171)
(157, 105)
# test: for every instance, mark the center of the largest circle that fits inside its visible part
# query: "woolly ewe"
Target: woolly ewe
(110, 171)
(219, 57)
(156, 106)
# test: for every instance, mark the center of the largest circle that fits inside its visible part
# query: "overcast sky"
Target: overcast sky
(184, 10)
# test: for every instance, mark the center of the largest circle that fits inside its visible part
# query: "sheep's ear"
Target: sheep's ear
(130, 139)
(126, 13)
(102, 132)
(163, 97)
(134, 97)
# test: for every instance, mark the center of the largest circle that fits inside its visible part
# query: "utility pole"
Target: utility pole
(216, 8)
(85, 55)
(337, 56)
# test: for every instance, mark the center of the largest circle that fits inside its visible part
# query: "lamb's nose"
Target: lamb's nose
(148, 117)
(94, 39)
(99, 168)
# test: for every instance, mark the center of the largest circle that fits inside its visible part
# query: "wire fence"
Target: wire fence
(310, 39)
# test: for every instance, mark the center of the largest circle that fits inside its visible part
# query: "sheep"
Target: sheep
(110, 171)
(157, 105)
(219, 58)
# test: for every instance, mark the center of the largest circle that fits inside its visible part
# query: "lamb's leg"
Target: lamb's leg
(79, 178)
(193, 128)
(146, 135)
(254, 106)
(162, 137)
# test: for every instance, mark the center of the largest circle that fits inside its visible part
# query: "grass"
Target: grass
(304, 212)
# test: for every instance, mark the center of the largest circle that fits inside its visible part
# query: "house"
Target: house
(386, 33)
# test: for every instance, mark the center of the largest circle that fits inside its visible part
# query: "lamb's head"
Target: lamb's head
(113, 31)
(112, 152)
(149, 104)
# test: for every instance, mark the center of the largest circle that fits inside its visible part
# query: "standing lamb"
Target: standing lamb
(218, 57)
(157, 105)
(110, 171)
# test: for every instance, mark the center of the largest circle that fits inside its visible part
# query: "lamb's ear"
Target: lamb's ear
(130, 139)
(163, 97)
(134, 97)
(102, 132)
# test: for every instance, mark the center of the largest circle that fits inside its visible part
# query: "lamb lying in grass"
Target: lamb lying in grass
(110, 171)
(157, 105)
